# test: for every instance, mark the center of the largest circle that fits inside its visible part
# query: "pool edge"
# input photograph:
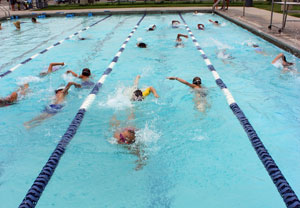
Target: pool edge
(285, 46)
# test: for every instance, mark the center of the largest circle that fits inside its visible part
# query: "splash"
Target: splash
(119, 100)
(29, 79)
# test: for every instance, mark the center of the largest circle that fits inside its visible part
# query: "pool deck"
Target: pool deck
(255, 20)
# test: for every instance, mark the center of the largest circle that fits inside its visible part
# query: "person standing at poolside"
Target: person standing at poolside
(139, 95)
(85, 77)
(200, 100)
(52, 109)
(14, 96)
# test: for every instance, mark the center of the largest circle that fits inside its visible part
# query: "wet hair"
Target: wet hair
(142, 45)
(138, 95)
(217, 22)
(86, 72)
(197, 80)
(287, 63)
(33, 19)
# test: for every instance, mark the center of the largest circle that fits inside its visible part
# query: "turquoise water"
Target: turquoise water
(194, 159)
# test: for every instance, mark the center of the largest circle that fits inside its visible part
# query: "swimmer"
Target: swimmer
(52, 109)
(139, 95)
(14, 96)
(179, 42)
(85, 77)
(80, 38)
(281, 62)
(17, 25)
(175, 23)
(33, 20)
(0, 26)
(200, 101)
(126, 136)
(214, 22)
(224, 56)
(52, 68)
(141, 45)
(195, 12)
(152, 27)
(200, 26)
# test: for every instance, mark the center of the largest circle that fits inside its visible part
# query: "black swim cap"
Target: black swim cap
(142, 45)
(86, 72)
(137, 95)
(217, 22)
(197, 81)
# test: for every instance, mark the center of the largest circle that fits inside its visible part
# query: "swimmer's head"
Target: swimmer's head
(59, 90)
(130, 136)
(285, 62)
(217, 22)
(86, 72)
(33, 19)
(197, 81)
(142, 45)
(17, 24)
(255, 46)
(137, 95)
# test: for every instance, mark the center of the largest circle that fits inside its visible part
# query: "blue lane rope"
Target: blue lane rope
(40, 183)
(289, 197)
(50, 47)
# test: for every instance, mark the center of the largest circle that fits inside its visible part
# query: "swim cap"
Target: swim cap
(86, 72)
(137, 95)
(59, 89)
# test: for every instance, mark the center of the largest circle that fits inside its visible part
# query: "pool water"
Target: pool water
(190, 158)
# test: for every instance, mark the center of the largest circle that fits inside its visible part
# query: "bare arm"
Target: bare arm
(182, 81)
(136, 82)
(73, 73)
(181, 35)
(54, 64)
(277, 57)
(152, 89)
(65, 91)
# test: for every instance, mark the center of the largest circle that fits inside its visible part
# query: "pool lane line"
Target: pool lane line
(50, 47)
(289, 197)
(40, 183)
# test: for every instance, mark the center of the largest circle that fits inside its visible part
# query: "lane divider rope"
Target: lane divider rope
(289, 197)
(36, 190)
(50, 47)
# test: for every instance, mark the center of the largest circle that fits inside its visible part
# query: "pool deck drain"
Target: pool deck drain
(256, 20)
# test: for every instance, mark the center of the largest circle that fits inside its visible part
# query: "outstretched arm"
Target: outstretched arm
(277, 57)
(65, 91)
(50, 68)
(181, 35)
(73, 73)
(182, 81)
(136, 82)
(152, 89)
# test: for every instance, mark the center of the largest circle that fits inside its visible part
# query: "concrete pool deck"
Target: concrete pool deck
(255, 20)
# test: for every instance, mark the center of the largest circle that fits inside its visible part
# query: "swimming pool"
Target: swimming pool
(194, 159)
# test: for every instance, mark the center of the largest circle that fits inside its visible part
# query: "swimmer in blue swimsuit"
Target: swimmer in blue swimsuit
(53, 108)
(85, 77)
(14, 96)
(52, 68)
